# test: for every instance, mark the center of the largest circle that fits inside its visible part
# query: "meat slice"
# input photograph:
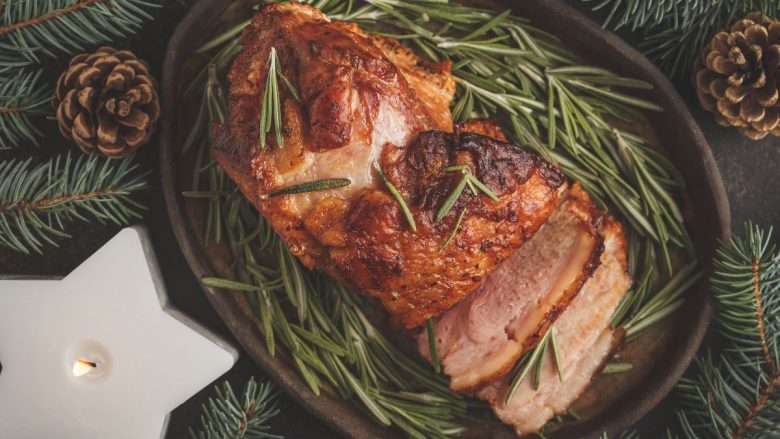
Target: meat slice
(482, 338)
(367, 101)
(585, 342)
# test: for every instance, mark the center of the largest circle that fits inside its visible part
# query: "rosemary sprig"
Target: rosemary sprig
(612, 368)
(433, 346)
(467, 179)
(398, 198)
(309, 186)
(556, 355)
(271, 110)
(533, 359)
(454, 230)
(449, 203)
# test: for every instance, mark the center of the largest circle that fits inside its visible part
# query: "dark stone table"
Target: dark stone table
(750, 170)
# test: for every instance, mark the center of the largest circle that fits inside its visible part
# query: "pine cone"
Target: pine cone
(107, 101)
(738, 75)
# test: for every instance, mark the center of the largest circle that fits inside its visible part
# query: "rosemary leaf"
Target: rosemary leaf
(217, 282)
(454, 168)
(481, 186)
(450, 201)
(524, 366)
(540, 362)
(454, 230)
(556, 355)
(397, 195)
(271, 111)
(309, 186)
(612, 368)
(433, 346)
(290, 87)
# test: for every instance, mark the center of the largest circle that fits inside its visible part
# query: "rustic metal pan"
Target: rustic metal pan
(623, 401)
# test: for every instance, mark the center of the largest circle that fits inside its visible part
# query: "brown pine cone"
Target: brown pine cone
(738, 76)
(107, 101)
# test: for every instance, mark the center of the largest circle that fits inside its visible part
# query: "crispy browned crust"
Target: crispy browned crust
(431, 82)
(405, 269)
(485, 127)
(329, 63)
(360, 237)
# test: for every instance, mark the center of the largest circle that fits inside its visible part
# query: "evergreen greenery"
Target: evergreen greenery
(228, 417)
(53, 27)
(38, 201)
(23, 95)
(674, 32)
(735, 394)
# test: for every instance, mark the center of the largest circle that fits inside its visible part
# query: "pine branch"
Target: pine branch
(22, 97)
(37, 201)
(675, 31)
(51, 27)
(736, 396)
(227, 417)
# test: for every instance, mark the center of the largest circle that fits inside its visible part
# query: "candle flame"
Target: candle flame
(82, 367)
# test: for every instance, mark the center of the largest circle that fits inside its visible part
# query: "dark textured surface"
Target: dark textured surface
(750, 171)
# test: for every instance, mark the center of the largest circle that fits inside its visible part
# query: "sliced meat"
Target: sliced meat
(482, 338)
(585, 342)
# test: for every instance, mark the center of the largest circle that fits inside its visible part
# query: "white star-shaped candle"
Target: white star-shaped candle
(99, 354)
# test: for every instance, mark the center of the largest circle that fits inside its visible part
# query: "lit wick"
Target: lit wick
(83, 366)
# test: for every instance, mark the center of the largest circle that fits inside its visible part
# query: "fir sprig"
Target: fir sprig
(23, 95)
(228, 417)
(38, 201)
(52, 27)
(736, 395)
(675, 31)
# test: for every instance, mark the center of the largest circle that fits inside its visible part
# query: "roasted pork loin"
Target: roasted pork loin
(483, 337)
(367, 100)
(585, 341)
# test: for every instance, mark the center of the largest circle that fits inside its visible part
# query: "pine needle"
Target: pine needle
(736, 393)
(227, 416)
(53, 27)
(674, 32)
(37, 201)
(23, 97)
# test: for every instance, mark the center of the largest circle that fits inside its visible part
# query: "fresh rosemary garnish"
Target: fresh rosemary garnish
(467, 179)
(433, 346)
(454, 230)
(398, 198)
(556, 355)
(611, 368)
(533, 359)
(309, 186)
(271, 110)
(449, 203)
